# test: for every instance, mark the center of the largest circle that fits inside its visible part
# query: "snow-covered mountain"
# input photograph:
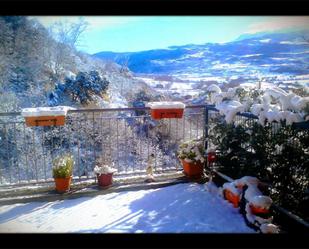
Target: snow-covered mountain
(280, 59)
(263, 52)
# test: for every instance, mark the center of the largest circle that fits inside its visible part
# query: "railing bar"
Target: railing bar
(183, 127)
(190, 125)
(10, 113)
(140, 149)
(176, 142)
(69, 127)
(102, 110)
(117, 109)
(117, 143)
(155, 153)
(110, 140)
(88, 149)
(126, 145)
(8, 151)
(133, 147)
(197, 127)
(78, 155)
(101, 132)
(16, 161)
(94, 137)
(34, 155)
(43, 151)
(26, 154)
(148, 150)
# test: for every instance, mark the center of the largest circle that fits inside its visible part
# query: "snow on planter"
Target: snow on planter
(260, 204)
(166, 109)
(231, 193)
(269, 228)
(104, 174)
(255, 206)
(45, 116)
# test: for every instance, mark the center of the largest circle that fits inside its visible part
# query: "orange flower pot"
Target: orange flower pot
(45, 121)
(193, 169)
(258, 210)
(63, 184)
(234, 199)
(166, 113)
(105, 179)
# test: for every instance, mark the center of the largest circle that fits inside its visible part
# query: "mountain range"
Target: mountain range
(263, 53)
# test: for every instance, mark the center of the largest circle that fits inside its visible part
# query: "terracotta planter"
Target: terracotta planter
(105, 179)
(234, 199)
(45, 121)
(63, 184)
(166, 113)
(193, 169)
(258, 210)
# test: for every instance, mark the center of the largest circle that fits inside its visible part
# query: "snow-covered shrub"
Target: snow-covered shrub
(271, 104)
(276, 153)
(192, 151)
(63, 166)
(83, 88)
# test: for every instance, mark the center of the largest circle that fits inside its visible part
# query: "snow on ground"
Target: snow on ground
(188, 207)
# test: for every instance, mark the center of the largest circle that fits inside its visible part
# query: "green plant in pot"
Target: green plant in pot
(62, 172)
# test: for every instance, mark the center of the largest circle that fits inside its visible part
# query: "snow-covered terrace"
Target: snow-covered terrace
(186, 207)
(30, 204)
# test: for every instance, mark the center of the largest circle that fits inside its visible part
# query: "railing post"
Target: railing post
(206, 117)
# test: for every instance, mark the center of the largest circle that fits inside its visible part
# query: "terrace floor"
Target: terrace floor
(183, 207)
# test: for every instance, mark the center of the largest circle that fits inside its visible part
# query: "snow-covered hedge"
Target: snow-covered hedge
(275, 153)
(272, 104)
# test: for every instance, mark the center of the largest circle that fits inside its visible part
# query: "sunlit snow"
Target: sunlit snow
(186, 207)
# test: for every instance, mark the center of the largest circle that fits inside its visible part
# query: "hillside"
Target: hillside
(37, 70)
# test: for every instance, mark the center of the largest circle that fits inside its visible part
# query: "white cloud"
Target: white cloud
(294, 42)
(265, 40)
(281, 22)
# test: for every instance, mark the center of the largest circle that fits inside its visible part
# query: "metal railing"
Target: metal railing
(123, 137)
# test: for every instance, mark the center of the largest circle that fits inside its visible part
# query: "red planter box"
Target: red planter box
(193, 170)
(235, 199)
(105, 179)
(166, 113)
(45, 121)
(63, 184)
(258, 210)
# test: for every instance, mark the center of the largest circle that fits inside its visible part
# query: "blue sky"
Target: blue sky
(137, 33)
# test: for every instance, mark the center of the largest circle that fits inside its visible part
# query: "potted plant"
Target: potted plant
(192, 155)
(104, 174)
(62, 172)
